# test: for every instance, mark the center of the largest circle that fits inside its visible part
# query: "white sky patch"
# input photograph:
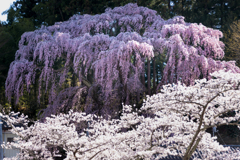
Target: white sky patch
(4, 5)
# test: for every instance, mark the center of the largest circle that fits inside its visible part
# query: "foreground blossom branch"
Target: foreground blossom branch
(173, 122)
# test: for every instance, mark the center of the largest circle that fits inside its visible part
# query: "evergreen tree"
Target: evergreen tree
(7, 52)
(215, 13)
(232, 41)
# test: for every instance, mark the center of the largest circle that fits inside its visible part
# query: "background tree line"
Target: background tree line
(28, 15)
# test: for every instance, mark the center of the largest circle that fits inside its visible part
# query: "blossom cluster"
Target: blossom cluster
(172, 122)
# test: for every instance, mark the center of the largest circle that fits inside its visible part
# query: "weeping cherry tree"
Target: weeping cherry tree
(94, 63)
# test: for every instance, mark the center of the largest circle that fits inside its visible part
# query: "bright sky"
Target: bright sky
(4, 5)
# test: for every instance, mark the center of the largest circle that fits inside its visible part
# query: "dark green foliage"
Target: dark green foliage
(7, 52)
(215, 13)
(10, 34)
(232, 42)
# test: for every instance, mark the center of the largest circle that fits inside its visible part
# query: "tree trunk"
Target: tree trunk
(222, 13)
(1, 140)
(182, 7)
(138, 98)
(154, 75)
(169, 6)
(189, 154)
(148, 76)
(143, 75)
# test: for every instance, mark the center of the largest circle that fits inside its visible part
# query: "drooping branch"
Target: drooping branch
(109, 51)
